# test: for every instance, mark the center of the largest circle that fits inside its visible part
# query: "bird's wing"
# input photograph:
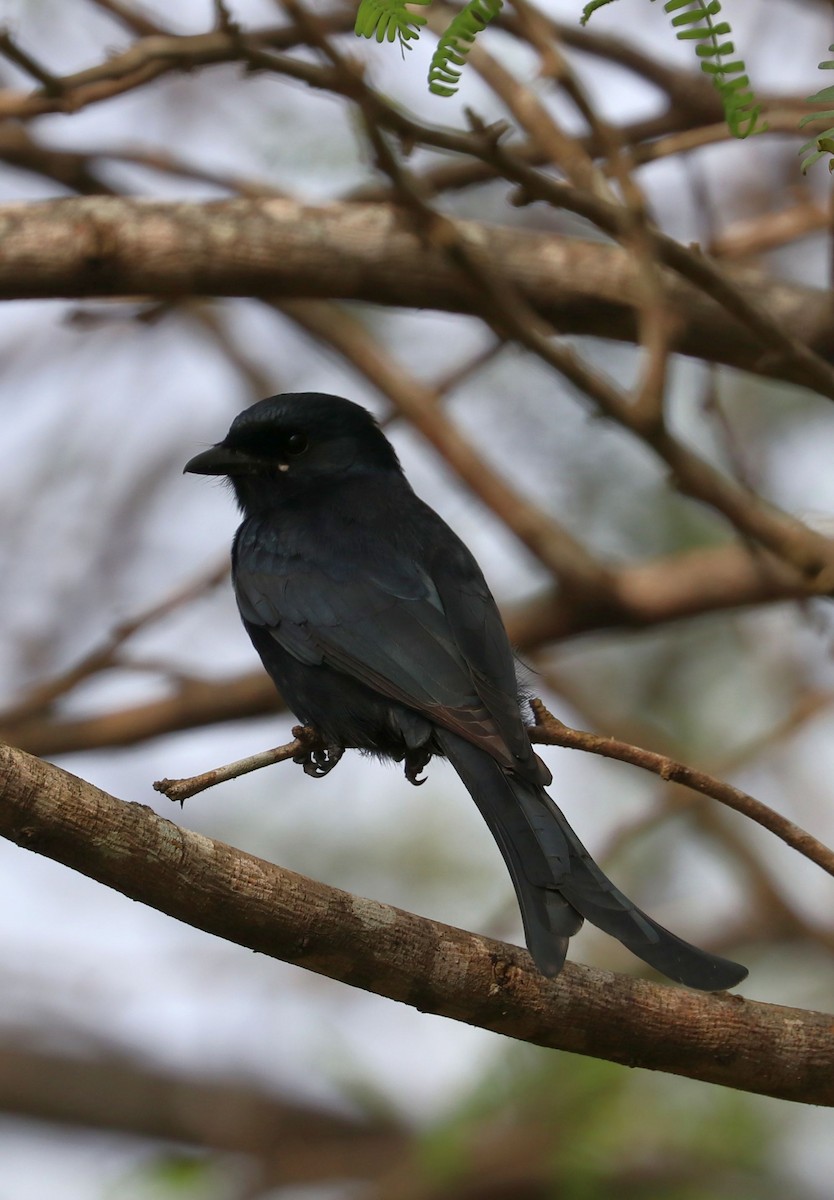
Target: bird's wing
(428, 636)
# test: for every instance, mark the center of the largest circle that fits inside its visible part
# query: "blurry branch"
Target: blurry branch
(642, 596)
(772, 917)
(692, 99)
(672, 588)
(146, 59)
(500, 297)
(71, 169)
(131, 16)
(781, 345)
(263, 248)
(568, 154)
(9, 48)
(720, 1038)
(300, 1143)
(646, 141)
(157, 52)
(760, 234)
(106, 656)
(501, 1155)
(687, 90)
(549, 142)
(165, 163)
(505, 308)
(191, 704)
(258, 379)
(655, 325)
(78, 170)
(347, 78)
(684, 140)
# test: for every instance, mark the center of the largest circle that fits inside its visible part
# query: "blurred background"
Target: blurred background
(140, 1058)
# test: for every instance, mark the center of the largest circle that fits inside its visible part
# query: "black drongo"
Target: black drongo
(378, 629)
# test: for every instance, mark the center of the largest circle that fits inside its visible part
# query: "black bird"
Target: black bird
(377, 627)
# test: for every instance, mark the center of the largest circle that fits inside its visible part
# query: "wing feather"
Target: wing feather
(423, 630)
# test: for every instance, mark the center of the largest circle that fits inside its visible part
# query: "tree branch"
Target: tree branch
(547, 731)
(304, 1143)
(279, 247)
(776, 1051)
(550, 731)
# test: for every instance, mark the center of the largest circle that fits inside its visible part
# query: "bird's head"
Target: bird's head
(287, 443)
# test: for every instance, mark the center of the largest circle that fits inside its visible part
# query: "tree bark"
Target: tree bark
(108, 246)
(720, 1038)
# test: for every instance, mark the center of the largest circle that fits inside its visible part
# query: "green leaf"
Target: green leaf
(455, 44)
(693, 22)
(824, 142)
(389, 19)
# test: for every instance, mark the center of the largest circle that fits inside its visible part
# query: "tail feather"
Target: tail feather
(558, 883)
(548, 919)
(533, 852)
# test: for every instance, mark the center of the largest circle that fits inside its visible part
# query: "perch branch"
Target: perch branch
(718, 1038)
(549, 731)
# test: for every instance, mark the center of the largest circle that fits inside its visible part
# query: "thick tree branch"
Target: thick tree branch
(192, 704)
(107, 1092)
(279, 247)
(721, 1038)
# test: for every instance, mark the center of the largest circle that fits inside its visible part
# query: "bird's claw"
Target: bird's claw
(415, 762)
(319, 763)
(315, 757)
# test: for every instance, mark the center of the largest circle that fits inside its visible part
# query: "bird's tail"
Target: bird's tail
(558, 884)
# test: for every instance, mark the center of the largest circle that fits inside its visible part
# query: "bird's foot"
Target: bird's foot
(415, 762)
(316, 757)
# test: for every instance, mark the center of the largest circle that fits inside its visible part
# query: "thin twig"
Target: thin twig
(180, 790)
(549, 731)
(51, 84)
(44, 695)
(135, 19)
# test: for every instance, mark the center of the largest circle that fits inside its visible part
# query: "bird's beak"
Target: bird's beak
(221, 460)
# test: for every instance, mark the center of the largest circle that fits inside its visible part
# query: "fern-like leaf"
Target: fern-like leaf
(693, 21)
(389, 19)
(824, 142)
(456, 43)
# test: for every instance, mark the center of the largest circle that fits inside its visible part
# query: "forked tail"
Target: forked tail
(558, 884)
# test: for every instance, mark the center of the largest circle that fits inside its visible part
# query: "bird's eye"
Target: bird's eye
(297, 443)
